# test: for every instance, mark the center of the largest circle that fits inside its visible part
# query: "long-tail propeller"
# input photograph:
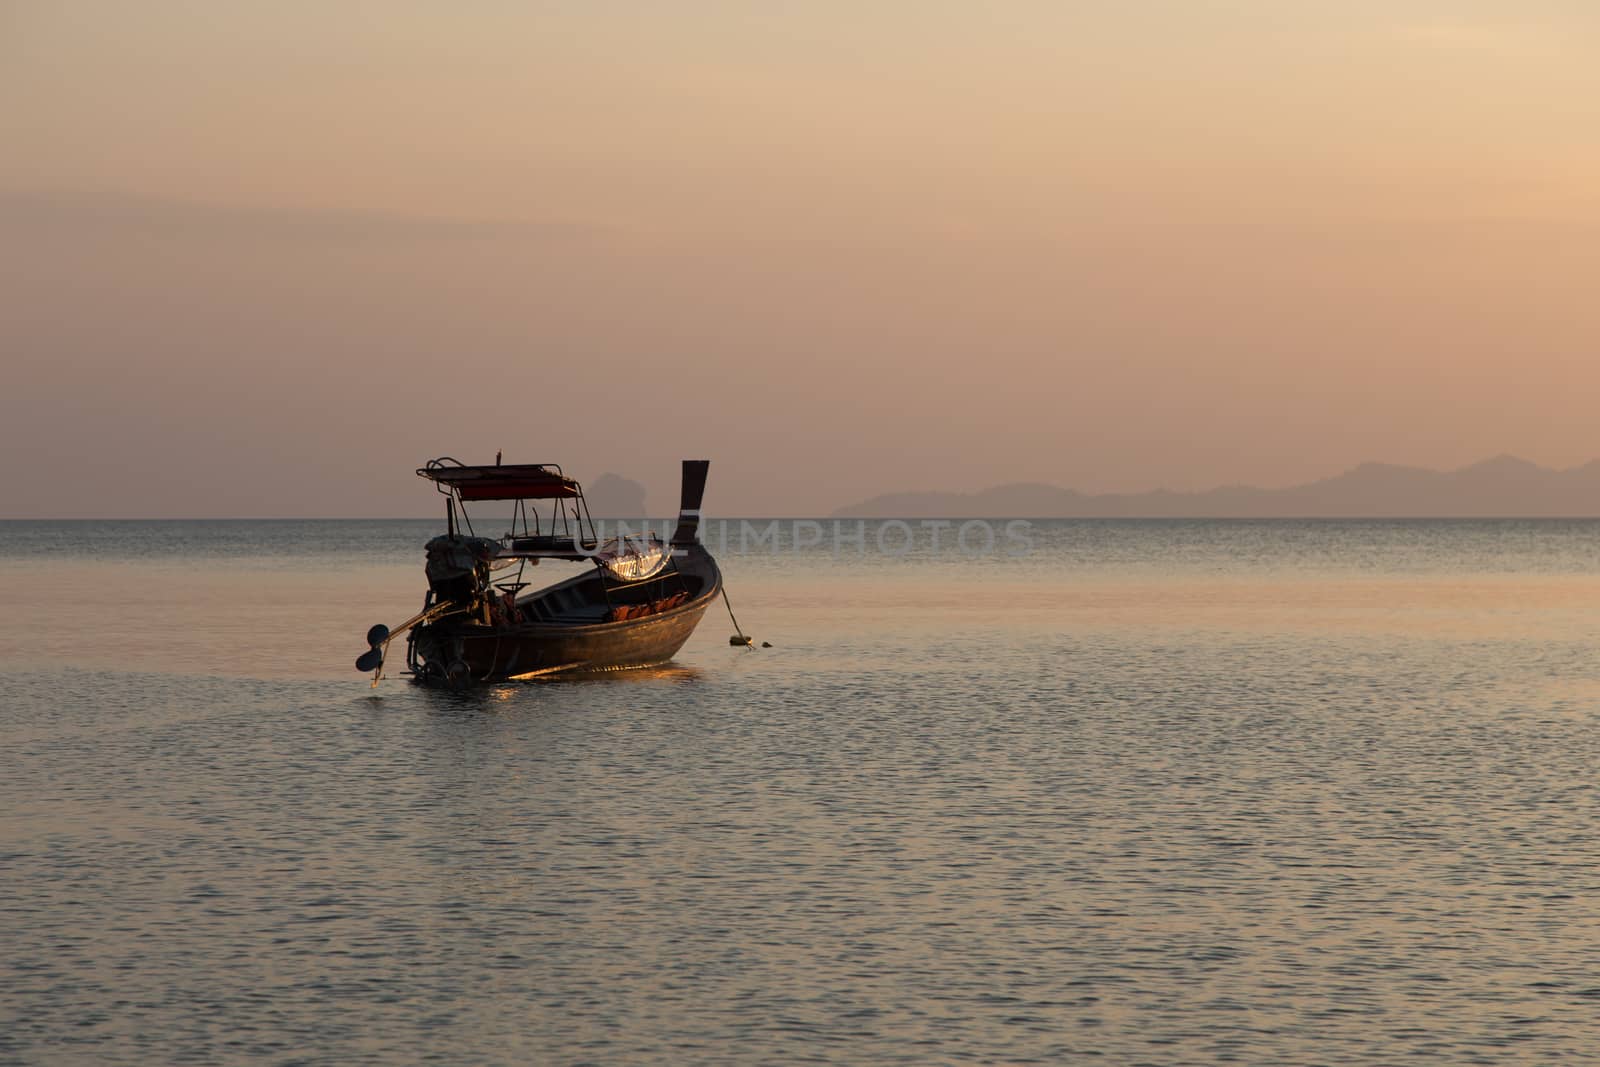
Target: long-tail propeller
(379, 636)
(372, 658)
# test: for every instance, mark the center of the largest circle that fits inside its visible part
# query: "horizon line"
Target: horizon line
(853, 518)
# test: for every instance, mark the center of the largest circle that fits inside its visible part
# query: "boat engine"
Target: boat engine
(458, 568)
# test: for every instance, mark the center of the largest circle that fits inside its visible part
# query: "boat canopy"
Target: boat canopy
(624, 558)
(514, 481)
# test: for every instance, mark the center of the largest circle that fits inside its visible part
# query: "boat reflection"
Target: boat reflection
(487, 696)
(661, 672)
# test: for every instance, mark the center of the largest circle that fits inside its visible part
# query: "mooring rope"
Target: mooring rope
(739, 637)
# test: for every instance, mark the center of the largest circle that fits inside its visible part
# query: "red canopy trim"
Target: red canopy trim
(518, 481)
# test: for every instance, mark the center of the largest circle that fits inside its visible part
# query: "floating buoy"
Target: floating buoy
(741, 639)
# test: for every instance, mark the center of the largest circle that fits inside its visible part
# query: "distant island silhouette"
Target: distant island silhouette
(1503, 487)
(611, 496)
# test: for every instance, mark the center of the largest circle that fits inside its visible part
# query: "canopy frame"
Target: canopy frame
(566, 532)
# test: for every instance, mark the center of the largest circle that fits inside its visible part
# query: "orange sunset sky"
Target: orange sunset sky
(266, 259)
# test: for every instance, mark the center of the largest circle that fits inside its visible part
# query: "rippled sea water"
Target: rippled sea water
(1155, 793)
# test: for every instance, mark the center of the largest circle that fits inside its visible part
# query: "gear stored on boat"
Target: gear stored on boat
(635, 608)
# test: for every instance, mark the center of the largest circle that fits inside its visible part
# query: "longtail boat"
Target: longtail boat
(482, 620)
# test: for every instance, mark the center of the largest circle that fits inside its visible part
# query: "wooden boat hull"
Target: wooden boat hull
(534, 650)
(457, 654)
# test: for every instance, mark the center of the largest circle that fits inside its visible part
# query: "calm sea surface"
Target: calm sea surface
(1152, 793)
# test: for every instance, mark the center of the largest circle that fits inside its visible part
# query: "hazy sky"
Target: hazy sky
(266, 259)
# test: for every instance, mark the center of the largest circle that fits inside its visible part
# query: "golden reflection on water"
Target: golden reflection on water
(277, 622)
(507, 692)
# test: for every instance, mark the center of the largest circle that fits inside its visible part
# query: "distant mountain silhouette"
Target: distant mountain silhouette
(1501, 487)
(612, 496)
